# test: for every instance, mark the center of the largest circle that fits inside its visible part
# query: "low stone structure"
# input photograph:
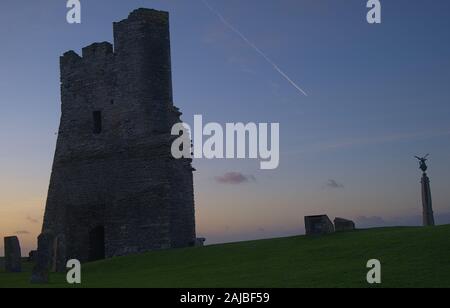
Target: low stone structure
(13, 255)
(44, 258)
(341, 224)
(318, 225)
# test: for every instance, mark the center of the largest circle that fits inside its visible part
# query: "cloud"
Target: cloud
(334, 184)
(22, 232)
(441, 218)
(248, 71)
(32, 220)
(370, 140)
(370, 222)
(234, 178)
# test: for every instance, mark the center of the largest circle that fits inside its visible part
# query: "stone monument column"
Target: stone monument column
(428, 216)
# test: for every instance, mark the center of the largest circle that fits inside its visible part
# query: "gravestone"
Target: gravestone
(318, 225)
(13, 255)
(200, 242)
(341, 224)
(44, 258)
(32, 256)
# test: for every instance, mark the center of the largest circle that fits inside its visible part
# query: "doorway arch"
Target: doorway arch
(97, 244)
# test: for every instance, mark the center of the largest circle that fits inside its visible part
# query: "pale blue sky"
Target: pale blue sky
(378, 95)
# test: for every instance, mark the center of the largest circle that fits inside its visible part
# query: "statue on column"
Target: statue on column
(428, 215)
(423, 162)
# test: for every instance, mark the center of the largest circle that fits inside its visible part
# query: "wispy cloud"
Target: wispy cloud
(234, 178)
(22, 232)
(369, 140)
(254, 47)
(441, 217)
(333, 184)
(370, 222)
(32, 220)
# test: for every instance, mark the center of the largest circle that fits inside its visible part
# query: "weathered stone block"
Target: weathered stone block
(13, 255)
(44, 258)
(341, 224)
(317, 225)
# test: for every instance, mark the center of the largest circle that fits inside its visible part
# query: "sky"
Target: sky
(377, 96)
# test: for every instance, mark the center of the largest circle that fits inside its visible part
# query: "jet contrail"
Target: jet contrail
(259, 51)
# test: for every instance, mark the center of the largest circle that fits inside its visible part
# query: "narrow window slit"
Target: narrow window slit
(97, 115)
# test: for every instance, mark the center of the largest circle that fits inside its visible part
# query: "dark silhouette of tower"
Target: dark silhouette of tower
(115, 188)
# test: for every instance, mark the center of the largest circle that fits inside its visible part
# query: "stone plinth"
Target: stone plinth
(13, 255)
(44, 258)
(318, 225)
(341, 224)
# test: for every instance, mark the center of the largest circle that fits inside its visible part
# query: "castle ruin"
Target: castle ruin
(115, 188)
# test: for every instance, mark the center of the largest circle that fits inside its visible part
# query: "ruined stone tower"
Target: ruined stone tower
(115, 188)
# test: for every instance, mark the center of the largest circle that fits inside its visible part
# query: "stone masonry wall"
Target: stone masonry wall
(123, 178)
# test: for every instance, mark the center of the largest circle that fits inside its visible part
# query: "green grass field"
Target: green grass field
(410, 257)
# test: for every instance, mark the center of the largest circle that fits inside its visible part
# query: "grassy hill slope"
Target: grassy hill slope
(411, 257)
